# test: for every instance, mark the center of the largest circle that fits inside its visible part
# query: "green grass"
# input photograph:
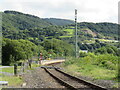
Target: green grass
(93, 40)
(92, 70)
(97, 72)
(69, 31)
(10, 69)
(106, 40)
(85, 67)
(35, 65)
(88, 41)
(64, 36)
(116, 85)
(30, 38)
(12, 80)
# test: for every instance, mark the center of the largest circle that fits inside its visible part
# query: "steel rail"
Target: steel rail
(92, 85)
(66, 84)
(60, 81)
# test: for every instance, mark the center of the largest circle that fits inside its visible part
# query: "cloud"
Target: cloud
(88, 10)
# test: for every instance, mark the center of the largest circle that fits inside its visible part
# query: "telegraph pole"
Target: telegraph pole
(38, 47)
(76, 50)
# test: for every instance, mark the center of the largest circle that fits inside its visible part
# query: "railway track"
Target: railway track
(71, 82)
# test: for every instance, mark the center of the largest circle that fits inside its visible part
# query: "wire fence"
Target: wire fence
(21, 67)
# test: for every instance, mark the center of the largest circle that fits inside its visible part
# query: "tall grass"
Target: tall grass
(98, 66)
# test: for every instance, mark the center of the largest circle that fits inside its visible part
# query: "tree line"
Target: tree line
(16, 50)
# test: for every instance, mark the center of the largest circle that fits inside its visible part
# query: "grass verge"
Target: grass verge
(12, 80)
(89, 68)
(92, 71)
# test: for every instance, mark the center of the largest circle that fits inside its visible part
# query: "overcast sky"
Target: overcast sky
(88, 10)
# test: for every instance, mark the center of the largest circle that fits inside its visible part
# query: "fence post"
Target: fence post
(30, 62)
(23, 67)
(15, 69)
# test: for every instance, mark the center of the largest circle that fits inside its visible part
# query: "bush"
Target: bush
(109, 65)
(83, 54)
(108, 61)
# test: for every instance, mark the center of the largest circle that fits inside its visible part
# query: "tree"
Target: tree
(15, 50)
(58, 47)
(97, 41)
(101, 50)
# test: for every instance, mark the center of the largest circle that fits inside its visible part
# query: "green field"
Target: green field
(106, 40)
(69, 31)
(64, 36)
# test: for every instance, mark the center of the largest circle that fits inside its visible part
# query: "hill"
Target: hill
(86, 30)
(16, 25)
(18, 20)
(60, 22)
(106, 29)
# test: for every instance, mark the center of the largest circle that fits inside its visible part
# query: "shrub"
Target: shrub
(83, 54)
(109, 65)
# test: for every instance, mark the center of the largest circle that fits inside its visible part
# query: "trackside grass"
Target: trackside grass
(92, 71)
(13, 81)
(94, 66)
(9, 69)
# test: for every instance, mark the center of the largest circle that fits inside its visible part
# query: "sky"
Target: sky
(87, 10)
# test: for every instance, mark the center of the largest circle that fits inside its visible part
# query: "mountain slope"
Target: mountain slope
(18, 20)
(60, 22)
(107, 29)
(17, 24)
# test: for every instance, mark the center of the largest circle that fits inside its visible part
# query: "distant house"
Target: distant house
(86, 51)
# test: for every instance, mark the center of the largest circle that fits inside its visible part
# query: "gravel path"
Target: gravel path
(38, 78)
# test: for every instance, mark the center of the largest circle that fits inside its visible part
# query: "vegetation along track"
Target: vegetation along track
(71, 82)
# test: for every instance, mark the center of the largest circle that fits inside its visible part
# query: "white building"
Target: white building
(86, 51)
